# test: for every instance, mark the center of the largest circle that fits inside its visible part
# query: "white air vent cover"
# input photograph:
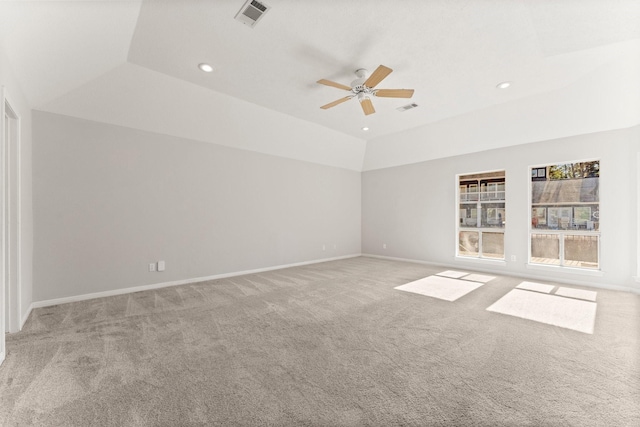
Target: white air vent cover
(406, 107)
(251, 12)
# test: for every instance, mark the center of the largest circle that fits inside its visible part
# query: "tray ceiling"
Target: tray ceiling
(453, 53)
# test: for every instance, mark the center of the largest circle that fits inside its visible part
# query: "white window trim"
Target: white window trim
(572, 270)
(568, 269)
(479, 259)
(494, 261)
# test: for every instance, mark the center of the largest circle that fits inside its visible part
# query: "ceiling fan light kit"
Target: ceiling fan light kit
(363, 88)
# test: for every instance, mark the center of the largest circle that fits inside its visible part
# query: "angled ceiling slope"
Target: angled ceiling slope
(56, 46)
(452, 53)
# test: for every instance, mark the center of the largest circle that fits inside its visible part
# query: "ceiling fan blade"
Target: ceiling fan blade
(378, 75)
(394, 93)
(334, 103)
(367, 106)
(333, 84)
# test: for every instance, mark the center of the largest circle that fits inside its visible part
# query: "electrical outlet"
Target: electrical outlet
(324, 247)
(161, 266)
(152, 266)
(513, 257)
(384, 246)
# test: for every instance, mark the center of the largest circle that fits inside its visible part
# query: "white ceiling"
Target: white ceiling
(452, 52)
(55, 46)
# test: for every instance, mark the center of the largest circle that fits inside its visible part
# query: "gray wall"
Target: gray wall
(108, 200)
(412, 208)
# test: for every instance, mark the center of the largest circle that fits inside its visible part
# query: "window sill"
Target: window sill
(497, 262)
(569, 270)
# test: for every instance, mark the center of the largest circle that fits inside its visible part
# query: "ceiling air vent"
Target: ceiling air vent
(406, 107)
(251, 12)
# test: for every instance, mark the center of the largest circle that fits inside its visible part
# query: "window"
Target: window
(482, 215)
(565, 215)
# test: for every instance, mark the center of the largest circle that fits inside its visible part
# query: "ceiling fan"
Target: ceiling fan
(363, 89)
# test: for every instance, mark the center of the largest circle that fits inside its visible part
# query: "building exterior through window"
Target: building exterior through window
(565, 215)
(482, 215)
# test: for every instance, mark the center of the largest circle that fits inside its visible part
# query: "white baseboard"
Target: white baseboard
(390, 258)
(1, 357)
(76, 298)
(502, 272)
(128, 290)
(26, 316)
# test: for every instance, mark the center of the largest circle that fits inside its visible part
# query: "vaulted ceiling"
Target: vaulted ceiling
(85, 58)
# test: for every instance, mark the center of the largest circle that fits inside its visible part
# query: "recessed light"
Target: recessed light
(365, 128)
(205, 67)
(503, 85)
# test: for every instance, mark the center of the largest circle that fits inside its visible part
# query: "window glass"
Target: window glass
(468, 242)
(545, 249)
(565, 214)
(481, 215)
(493, 245)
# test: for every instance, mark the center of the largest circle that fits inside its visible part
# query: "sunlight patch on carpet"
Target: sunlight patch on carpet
(554, 310)
(479, 278)
(453, 274)
(444, 288)
(577, 293)
(537, 287)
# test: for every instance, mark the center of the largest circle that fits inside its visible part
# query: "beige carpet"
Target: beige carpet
(330, 344)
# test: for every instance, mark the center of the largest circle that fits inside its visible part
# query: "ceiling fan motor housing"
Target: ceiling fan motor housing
(358, 88)
(357, 85)
(363, 89)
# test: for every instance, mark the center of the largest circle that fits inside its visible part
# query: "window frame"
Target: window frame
(564, 233)
(479, 196)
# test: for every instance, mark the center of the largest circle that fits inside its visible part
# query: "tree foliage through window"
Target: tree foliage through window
(575, 170)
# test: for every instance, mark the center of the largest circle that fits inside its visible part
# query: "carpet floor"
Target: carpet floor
(330, 344)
